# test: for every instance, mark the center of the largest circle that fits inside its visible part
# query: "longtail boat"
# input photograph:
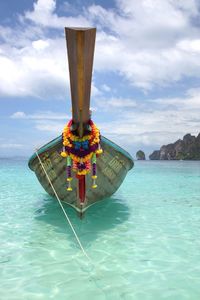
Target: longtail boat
(70, 163)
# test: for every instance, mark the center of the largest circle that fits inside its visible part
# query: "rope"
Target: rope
(72, 228)
(59, 201)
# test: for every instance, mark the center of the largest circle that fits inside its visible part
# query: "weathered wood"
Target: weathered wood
(80, 49)
(112, 167)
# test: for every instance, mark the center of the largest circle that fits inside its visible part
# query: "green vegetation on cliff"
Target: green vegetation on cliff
(186, 149)
(140, 155)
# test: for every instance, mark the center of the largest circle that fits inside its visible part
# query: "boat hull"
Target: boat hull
(112, 167)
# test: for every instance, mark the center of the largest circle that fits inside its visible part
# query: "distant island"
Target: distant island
(186, 149)
(140, 155)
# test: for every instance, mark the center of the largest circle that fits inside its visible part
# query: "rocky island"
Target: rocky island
(140, 155)
(186, 149)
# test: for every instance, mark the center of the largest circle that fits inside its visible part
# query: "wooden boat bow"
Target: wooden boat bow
(72, 161)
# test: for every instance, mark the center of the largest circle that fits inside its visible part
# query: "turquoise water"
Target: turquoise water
(144, 242)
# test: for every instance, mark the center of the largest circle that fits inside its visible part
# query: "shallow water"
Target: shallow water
(143, 242)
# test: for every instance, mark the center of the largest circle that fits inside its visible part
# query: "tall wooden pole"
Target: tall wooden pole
(80, 48)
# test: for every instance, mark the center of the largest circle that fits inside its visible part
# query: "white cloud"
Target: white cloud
(106, 88)
(50, 122)
(40, 44)
(11, 146)
(44, 15)
(95, 91)
(46, 115)
(18, 115)
(149, 43)
(115, 103)
(51, 127)
(166, 121)
(32, 70)
(46, 121)
(189, 102)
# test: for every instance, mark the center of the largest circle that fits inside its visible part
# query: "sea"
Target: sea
(143, 243)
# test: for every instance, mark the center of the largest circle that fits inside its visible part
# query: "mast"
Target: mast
(80, 49)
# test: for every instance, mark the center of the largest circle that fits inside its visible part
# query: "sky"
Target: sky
(146, 76)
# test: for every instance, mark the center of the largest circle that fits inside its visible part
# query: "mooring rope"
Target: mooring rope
(59, 201)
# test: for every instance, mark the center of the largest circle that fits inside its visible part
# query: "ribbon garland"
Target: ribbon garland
(81, 153)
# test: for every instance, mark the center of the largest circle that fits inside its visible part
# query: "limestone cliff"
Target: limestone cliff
(186, 149)
(140, 155)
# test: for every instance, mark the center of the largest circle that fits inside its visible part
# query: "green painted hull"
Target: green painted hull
(112, 167)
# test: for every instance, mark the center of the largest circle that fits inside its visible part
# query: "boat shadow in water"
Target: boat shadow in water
(100, 217)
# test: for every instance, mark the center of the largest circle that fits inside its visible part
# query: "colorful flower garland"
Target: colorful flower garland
(81, 153)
